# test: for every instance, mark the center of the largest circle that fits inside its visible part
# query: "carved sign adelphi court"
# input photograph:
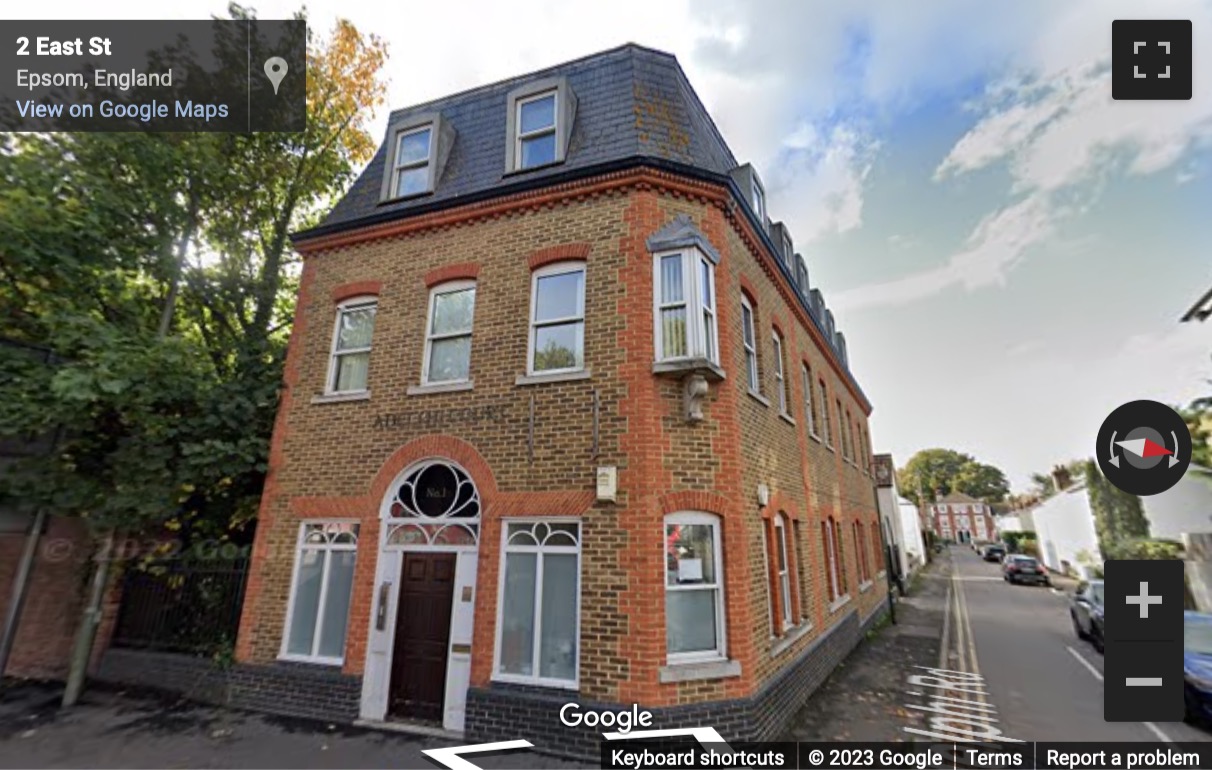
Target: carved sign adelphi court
(434, 418)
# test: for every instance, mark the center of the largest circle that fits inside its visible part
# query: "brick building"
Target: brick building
(563, 421)
(962, 518)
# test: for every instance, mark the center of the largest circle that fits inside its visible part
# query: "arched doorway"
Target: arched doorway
(418, 662)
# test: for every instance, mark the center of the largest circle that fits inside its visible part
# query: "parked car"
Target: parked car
(1197, 666)
(1086, 612)
(1024, 569)
(994, 552)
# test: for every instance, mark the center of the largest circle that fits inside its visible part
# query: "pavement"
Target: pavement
(862, 699)
(117, 728)
(1008, 651)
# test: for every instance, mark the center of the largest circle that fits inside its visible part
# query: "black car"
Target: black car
(1024, 569)
(994, 552)
(1086, 612)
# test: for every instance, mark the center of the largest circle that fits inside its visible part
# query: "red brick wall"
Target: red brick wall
(57, 590)
(329, 461)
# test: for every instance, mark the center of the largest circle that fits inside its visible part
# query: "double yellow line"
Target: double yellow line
(955, 618)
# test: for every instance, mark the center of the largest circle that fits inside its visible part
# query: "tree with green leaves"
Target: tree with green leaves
(1119, 516)
(1043, 485)
(938, 472)
(159, 269)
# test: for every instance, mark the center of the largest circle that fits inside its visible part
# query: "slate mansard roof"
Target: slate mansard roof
(632, 102)
(633, 106)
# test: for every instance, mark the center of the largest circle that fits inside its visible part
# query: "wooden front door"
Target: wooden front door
(418, 662)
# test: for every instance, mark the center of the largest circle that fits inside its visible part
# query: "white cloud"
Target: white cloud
(817, 186)
(997, 243)
(1053, 122)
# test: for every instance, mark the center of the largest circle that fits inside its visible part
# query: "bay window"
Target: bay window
(684, 306)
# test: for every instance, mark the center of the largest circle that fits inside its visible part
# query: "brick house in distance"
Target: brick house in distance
(962, 518)
(563, 421)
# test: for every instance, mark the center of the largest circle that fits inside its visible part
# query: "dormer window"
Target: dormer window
(536, 131)
(787, 252)
(540, 117)
(417, 148)
(412, 161)
(759, 200)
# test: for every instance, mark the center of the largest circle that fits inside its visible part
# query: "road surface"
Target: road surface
(1045, 683)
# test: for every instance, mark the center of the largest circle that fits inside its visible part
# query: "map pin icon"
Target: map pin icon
(275, 70)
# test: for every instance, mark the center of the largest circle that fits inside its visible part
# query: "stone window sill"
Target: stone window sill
(814, 436)
(829, 447)
(793, 635)
(539, 379)
(337, 398)
(335, 663)
(758, 397)
(709, 669)
(703, 366)
(439, 387)
(882, 573)
(787, 418)
(840, 602)
(864, 587)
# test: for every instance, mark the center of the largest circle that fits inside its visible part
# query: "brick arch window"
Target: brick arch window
(557, 319)
(860, 551)
(877, 550)
(448, 333)
(749, 343)
(834, 572)
(783, 571)
(694, 588)
(349, 360)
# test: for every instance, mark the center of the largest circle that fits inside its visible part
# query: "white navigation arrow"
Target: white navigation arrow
(449, 757)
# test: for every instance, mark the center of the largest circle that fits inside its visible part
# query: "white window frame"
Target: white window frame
(941, 507)
(832, 562)
(554, 130)
(780, 374)
(759, 201)
(809, 411)
(721, 626)
(749, 342)
(826, 426)
(701, 342)
(558, 268)
(539, 550)
(328, 549)
(841, 418)
(347, 306)
(783, 570)
(450, 287)
(409, 166)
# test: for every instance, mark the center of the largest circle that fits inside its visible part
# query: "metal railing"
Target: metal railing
(187, 606)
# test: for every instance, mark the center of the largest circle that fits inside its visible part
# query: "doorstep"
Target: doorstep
(410, 728)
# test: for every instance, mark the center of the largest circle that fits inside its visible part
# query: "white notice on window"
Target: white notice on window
(690, 570)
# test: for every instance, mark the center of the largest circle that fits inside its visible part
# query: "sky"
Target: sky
(1007, 249)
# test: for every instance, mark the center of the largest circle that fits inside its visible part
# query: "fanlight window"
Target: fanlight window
(543, 534)
(437, 504)
(330, 533)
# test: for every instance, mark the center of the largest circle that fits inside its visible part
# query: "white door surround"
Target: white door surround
(432, 505)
